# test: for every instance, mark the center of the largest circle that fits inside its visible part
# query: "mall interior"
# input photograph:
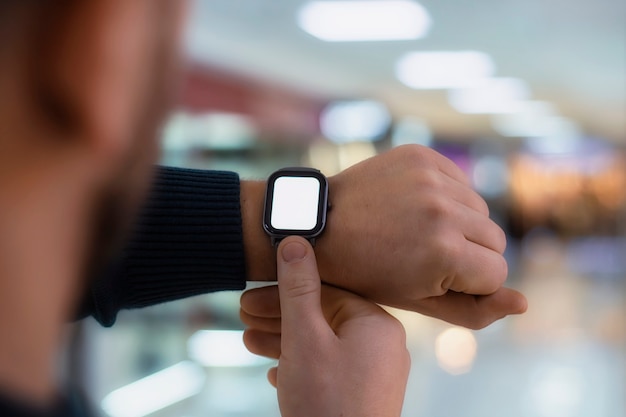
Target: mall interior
(527, 97)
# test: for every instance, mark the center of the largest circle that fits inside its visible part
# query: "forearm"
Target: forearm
(187, 241)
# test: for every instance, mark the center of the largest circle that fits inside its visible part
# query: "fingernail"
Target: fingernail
(293, 251)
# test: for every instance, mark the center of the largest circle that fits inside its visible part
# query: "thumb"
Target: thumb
(299, 287)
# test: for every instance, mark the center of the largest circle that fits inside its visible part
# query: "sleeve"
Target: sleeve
(188, 240)
(64, 406)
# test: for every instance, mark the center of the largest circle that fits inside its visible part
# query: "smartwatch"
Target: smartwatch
(296, 203)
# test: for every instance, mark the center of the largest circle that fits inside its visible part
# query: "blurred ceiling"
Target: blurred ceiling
(572, 53)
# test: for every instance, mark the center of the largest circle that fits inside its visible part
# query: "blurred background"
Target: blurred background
(528, 97)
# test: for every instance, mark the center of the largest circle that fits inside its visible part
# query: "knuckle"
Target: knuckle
(388, 328)
(442, 287)
(447, 249)
(496, 237)
(501, 239)
(250, 341)
(396, 328)
(428, 179)
(445, 252)
(437, 208)
(502, 271)
(245, 302)
(244, 317)
(496, 273)
(414, 155)
(406, 357)
(482, 205)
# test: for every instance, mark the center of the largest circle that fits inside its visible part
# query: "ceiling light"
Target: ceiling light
(490, 175)
(437, 69)
(495, 95)
(528, 121)
(544, 131)
(353, 153)
(354, 121)
(155, 392)
(561, 136)
(411, 130)
(216, 131)
(368, 20)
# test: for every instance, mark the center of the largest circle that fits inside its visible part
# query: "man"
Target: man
(84, 87)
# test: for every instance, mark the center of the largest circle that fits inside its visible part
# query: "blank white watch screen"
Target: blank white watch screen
(295, 203)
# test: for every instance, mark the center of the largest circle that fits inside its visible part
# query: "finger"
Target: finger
(340, 306)
(477, 270)
(449, 168)
(474, 312)
(334, 301)
(299, 286)
(465, 195)
(262, 343)
(425, 157)
(261, 302)
(272, 376)
(482, 230)
(270, 325)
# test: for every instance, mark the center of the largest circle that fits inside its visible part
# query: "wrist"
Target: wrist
(329, 250)
(259, 253)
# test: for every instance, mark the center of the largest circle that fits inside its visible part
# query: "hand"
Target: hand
(343, 357)
(407, 230)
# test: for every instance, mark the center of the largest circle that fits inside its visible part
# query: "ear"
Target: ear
(95, 68)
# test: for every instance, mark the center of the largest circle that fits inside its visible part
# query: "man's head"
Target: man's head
(84, 86)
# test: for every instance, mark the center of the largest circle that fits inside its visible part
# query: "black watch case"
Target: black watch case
(296, 203)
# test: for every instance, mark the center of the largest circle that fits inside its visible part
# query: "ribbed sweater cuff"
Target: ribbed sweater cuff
(188, 241)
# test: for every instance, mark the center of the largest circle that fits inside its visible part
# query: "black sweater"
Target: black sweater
(187, 241)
